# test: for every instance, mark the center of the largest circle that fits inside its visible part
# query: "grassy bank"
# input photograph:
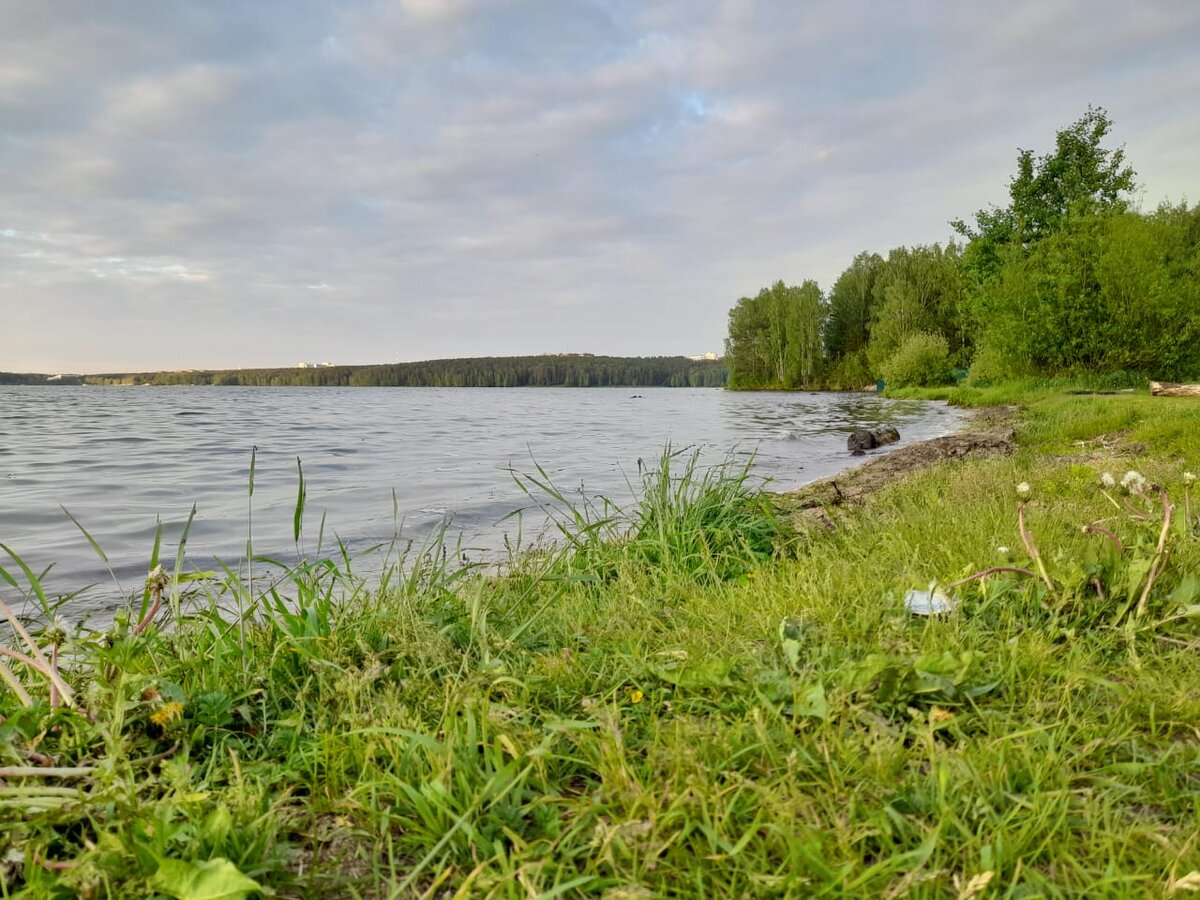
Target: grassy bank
(697, 698)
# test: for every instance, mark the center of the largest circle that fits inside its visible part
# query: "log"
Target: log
(1170, 389)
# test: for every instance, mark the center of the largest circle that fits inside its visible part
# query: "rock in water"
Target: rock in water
(886, 435)
(861, 440)
(869, 438)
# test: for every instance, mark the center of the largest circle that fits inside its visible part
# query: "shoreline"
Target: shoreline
(714, 706)
(984, 431)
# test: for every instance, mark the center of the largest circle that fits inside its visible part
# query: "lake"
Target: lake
(122, 459)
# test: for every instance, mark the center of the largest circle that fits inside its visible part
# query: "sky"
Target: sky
(235, 184)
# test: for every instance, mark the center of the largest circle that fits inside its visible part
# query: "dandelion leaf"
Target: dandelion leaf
(215, 879)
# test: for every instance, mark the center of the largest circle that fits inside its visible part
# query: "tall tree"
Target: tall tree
(1080, 177)
(918, 289)
(851, 301)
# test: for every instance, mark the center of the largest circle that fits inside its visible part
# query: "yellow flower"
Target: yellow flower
(166, 714)
(636, 696)
(939, 716)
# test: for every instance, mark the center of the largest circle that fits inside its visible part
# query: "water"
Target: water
(119, 459)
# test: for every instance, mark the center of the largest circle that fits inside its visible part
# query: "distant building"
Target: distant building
(705, 357)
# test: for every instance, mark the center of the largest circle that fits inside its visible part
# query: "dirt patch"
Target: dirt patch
(988, 432)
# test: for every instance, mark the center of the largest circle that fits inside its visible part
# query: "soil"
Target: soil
(989, 431)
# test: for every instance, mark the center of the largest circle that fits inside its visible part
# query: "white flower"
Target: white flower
(1024, 490)
(1107, 480)
(1189, 478)
(1133, 480)
(1003, 551)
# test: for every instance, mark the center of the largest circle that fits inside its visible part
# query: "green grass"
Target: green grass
(625, 717)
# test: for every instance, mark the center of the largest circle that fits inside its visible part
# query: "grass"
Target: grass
(685, 698)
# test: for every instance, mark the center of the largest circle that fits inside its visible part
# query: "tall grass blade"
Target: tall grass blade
(298, 516)
(180, 551)
(35, 583)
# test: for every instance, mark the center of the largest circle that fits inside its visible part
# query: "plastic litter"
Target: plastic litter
(931, 602)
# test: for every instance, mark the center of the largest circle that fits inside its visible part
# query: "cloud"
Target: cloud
(464, 177)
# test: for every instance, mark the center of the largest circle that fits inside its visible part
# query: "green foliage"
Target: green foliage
(1079, 178)
(216, 879)
(989, 366)
(852, 302)
(922, 360)
(851, 372)
(918, 290)
(1102, 294)
(775, 338)
(1064, 281)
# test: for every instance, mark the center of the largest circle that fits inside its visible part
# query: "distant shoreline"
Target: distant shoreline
(566, 370)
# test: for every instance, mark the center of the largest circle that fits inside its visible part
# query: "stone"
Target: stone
(869, 438)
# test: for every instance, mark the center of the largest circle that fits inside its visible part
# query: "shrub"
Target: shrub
(922, 360)
(990, 366)
(851, 372)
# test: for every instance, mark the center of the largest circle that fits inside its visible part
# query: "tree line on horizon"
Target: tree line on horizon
(1067, 278)
(513, 371)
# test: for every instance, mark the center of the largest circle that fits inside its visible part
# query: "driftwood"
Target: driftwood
(1169, 389)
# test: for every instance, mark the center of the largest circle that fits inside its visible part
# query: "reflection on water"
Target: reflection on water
(120, 458)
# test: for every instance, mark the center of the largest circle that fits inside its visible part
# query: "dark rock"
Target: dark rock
(861, 440)
(886, 435)
(868, 439)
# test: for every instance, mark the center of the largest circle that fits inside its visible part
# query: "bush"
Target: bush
(922, 360)
(851, 372)
(990, 366)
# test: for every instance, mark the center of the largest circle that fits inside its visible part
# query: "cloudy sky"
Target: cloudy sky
(194, 185)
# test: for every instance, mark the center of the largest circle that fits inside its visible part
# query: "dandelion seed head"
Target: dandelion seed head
(1189, 478)
(1024, 490)
(1108, 480)
(1003, 551)
(1133, 480)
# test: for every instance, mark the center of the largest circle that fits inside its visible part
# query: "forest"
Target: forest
(565, 370)
(1068, 278)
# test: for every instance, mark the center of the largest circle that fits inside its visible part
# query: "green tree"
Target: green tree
(1080, 177)
(775, 337)
(918, 289)
(851, 301)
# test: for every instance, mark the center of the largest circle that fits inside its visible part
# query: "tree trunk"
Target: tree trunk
(1168, 389)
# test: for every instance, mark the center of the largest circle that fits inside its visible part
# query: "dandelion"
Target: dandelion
(1108, 480)
(167, 713)
(939, 716)
(636, 696)
(1003, 551)
(158, 579)
(1024, 490)
(1133, 481)
(56, 632)
(1189, 478)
